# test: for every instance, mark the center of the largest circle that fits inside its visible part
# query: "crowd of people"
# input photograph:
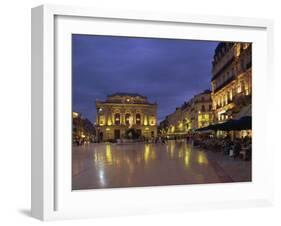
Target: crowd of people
(228, 145)
(233, 147)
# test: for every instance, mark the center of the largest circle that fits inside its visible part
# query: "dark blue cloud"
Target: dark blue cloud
(167, 71)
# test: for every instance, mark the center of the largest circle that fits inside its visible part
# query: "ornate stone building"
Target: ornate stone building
(232, 79)
(82, 128)
(122, 111)
(199, 113)
(193, 114)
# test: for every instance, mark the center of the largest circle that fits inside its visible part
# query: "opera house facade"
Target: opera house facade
(123, 111)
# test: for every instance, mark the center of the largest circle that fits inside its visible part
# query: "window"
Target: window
(203, 108)
(117, 119)
(223, 78)
(239, 88)
(230, 95)
(127, 119)
(242, 86)
(138, 119)
(101, 120)
(214, 86)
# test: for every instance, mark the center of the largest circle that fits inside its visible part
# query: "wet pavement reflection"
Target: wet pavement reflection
(108, 165)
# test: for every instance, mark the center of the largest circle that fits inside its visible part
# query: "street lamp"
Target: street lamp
(99, 110)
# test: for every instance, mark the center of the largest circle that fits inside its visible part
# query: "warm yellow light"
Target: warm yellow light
(108, 154)
(186, 158)
(180, 153)
(246, 89)
(75, 114)
(239, 89)
(146, 152)
(107, 129)
(101, 120)
(237, 50)
(180, 125)
(153, 155)
(202, 158)
(146, 128)
(145, 121)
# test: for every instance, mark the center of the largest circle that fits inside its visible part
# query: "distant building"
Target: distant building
(231, 79)
(198, 113)
(82, 128)
(122, 111)
(175, 122)
(193, 114)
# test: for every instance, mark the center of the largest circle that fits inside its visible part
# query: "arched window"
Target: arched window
(138, 119)
(127, 119)
(203, 108)
(117, 119)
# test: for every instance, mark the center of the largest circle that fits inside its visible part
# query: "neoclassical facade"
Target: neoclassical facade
(231, 79)
(122, 111)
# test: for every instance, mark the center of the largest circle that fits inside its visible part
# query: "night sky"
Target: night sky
(167, 71)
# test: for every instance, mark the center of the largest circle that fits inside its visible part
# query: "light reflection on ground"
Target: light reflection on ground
(131, 165)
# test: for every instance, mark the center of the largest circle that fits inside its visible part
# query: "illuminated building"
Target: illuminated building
(231, 79)
(122, 111)
(76, 114)
(82, 128)
(199, 111)
(175, 123)
(194, 114)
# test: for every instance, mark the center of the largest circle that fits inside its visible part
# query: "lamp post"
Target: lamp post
(99, 110)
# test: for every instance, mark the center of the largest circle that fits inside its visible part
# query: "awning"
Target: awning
(244, 123)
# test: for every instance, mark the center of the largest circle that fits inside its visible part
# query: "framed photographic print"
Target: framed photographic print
(136, 112)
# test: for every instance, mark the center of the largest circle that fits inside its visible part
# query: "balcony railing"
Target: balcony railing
(203, 101)
(216, 73)
(224, 84)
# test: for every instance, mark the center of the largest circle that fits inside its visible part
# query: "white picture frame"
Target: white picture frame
(51, 197)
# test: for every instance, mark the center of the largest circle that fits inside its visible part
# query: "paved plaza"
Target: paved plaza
(109, 165)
